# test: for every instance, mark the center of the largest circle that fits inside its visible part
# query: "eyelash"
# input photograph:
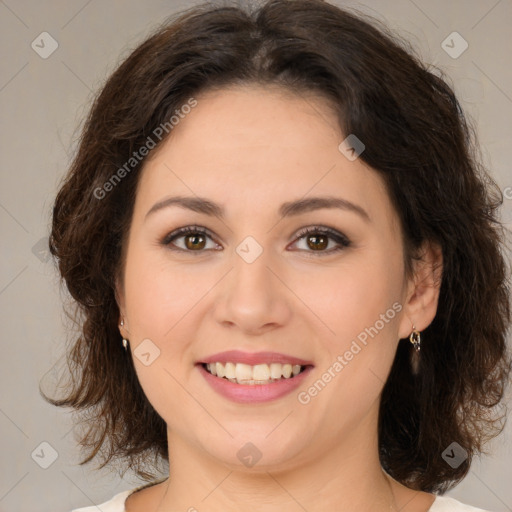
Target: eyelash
(342, 240)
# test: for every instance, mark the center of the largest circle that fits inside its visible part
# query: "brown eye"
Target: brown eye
(190, 239)
(316, 242)
(194, 242)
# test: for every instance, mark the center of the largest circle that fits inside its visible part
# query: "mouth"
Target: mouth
(254, 378)
(253, 375)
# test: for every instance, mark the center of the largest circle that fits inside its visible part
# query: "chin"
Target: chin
(258, 450)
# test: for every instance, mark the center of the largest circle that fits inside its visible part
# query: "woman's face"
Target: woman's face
(255, 283)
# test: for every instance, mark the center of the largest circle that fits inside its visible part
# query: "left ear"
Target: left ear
(423, 290)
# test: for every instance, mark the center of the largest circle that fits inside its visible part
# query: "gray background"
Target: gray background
(43, 102)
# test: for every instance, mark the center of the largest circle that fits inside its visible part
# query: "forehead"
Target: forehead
(253, 145)
(256, 114)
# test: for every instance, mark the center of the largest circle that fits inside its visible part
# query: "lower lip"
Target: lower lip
(256, 393)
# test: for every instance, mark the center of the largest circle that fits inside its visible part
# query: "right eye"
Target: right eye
(194, 238)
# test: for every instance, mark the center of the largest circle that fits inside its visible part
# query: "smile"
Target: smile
(251, 375)
(251, 378)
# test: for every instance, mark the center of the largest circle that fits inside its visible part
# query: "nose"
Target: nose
(253, 296)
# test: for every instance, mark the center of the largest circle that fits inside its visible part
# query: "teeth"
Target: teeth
(230, 371)
(243, 372)
(276, 370)
(220, 369)
(257, 374)
(261, 372)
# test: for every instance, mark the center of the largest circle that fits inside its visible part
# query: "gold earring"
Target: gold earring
(415, 338)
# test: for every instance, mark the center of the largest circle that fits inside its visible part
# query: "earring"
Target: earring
(125, 341)
(415, 339)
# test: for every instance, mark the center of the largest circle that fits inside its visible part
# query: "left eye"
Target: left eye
(317, 239)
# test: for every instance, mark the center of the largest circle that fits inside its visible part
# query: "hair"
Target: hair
(417, 138)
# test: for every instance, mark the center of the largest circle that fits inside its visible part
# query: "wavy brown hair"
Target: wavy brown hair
(416, 137)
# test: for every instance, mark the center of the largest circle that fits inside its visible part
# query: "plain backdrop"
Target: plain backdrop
(43, 101)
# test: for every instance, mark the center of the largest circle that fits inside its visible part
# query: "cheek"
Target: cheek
(352, 296)
(158, 300)
(359, 302)
(157, 296)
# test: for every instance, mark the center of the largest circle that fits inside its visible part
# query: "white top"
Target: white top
(441, 504)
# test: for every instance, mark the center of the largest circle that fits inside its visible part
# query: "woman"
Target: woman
(287, 263)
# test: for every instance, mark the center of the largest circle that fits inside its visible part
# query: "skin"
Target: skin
(250, 150)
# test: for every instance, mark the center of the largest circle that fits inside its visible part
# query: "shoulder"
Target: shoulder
(446, 504)
(441, 504)
(118, 502)
(115, 504)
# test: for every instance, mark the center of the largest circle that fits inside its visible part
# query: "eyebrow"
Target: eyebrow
(298, 207)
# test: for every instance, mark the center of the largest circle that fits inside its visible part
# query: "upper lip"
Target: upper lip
(237, 356)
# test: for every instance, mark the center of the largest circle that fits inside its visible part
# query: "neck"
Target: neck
(348, 477)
